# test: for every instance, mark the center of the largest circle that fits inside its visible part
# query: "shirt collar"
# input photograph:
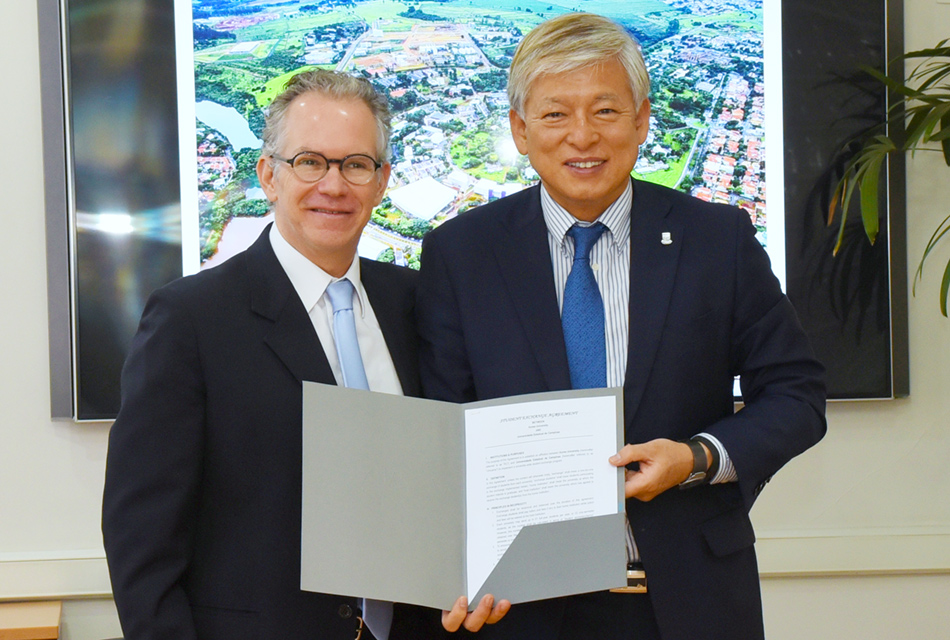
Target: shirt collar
(616, 217)
(309, 280)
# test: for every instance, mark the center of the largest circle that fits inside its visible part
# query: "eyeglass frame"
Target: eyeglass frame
(339, 162)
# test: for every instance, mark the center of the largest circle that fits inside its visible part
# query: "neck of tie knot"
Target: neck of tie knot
(584, 239)
(340, 294)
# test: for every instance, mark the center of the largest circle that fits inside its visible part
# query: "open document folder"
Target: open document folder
(421, 501)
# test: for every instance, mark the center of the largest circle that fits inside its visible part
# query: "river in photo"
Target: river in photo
(229, 122)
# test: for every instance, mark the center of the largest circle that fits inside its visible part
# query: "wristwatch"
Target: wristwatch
(700, 466)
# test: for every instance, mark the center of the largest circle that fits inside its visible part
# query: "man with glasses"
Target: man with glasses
(201, 511)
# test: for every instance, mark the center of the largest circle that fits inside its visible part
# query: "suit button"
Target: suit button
(345, 611)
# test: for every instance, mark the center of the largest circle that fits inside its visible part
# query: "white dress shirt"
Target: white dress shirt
(311, 282)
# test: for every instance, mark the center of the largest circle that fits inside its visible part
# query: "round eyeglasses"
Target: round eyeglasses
(310, 166)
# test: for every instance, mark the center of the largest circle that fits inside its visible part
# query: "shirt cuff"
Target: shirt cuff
(726, 471)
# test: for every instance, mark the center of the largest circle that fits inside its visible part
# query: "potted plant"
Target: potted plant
(923, 107)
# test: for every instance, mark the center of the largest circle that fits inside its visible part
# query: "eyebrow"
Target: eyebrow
(371, 154)
(600, 98)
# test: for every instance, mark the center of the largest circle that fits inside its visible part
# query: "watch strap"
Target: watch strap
(699, 475)
(713, 469)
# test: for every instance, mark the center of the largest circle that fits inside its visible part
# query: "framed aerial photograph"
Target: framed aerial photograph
(151, 154)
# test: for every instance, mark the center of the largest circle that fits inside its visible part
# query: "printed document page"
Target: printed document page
(535, 463)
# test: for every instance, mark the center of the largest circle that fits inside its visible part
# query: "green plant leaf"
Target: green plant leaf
(944, 287)
(933, 120)
(944, 137)
(935, 238)
(922, 112)
(928, 74)
(936, 51)
(869, 209)
(914, 130)
(942, 229)
(846, 201)
(836, 199)
(891, 84)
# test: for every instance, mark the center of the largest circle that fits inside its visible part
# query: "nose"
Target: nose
(583, 134)
(332, 184)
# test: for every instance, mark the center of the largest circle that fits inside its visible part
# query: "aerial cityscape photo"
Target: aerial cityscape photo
(443, 66)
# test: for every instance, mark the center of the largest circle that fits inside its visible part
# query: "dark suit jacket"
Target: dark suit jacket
(201, 511)
(703, 309)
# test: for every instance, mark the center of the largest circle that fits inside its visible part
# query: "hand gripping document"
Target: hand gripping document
(421, 501)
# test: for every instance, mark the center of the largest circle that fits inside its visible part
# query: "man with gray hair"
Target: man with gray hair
(595, 279)
(202, 502)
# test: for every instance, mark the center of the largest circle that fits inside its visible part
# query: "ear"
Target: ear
(519, 131)
(642, 121)
(384, 172)
(265, 175)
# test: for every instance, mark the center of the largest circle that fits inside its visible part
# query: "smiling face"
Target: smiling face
(581, 131)
(323, 220)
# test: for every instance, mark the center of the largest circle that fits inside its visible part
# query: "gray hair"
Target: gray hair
(335, 85)
(571, 42)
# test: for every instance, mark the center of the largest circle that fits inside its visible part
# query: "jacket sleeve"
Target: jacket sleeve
(782, 382)
(444, 364)
(153, 472)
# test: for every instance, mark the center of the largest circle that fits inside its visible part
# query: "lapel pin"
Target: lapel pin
(666, 238)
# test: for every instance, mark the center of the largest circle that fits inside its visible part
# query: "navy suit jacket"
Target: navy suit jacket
(703, 309)
(201, 510)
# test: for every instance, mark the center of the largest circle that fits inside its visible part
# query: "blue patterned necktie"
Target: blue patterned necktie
(377, 614)
(582, 314)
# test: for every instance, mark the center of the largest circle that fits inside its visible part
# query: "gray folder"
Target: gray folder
(384, 507)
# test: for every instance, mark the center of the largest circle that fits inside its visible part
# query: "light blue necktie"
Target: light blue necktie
(582, 314)
(377, 614)
(344, 334)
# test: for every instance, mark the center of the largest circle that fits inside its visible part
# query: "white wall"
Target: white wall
(50, 472)
(873, 499)
(854, 535)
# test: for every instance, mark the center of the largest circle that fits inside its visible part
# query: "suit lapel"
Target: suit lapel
(393, 307)
(291, 336)
(652, 276)
(525, 261)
